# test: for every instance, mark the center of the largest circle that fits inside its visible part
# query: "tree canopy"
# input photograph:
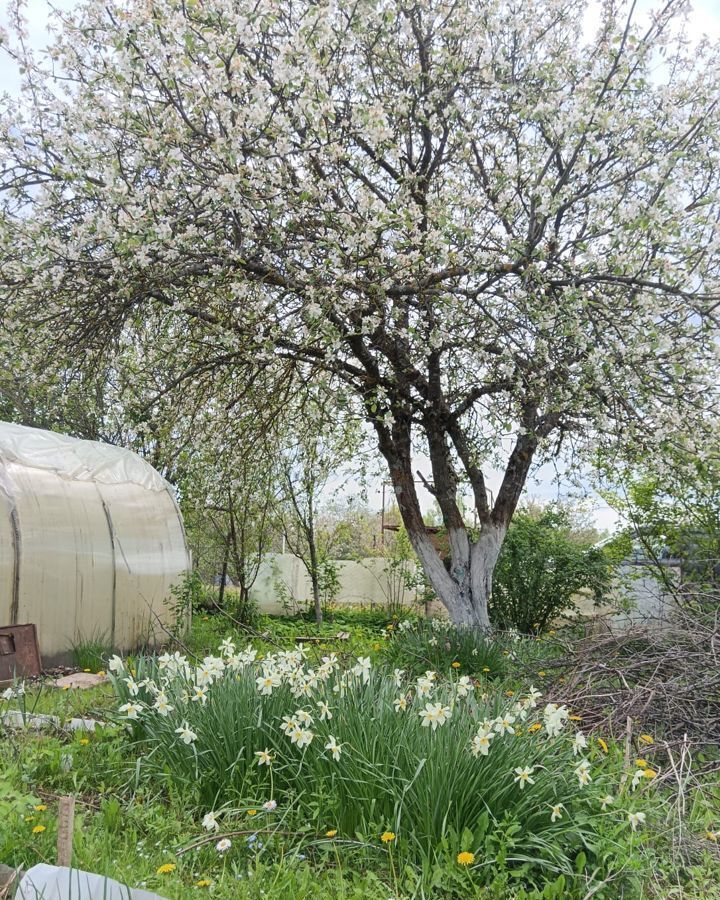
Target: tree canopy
(487, 227)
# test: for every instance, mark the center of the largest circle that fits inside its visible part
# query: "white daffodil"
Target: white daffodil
(303, 717)
(132, 686)
(424, 687)
(480, 744)
(186, 735)
(554, 718)
(264, 757)
(523, 775)
(606, 801)
(199, 694)
(556, 812)
(131, 710)
(579, 742)
(635, 819)
(267, 682)
(400, 704)
(116, 665)
(434, 714)
(333, 746)
(325, 713)
(301, 736)
(161, 704)
(582, 770)
(289, 723)
(504, 724)
(362, 669)
(210, 823)
(464, 687)
(398, 676)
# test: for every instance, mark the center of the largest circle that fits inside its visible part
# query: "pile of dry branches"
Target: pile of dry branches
(662, 675)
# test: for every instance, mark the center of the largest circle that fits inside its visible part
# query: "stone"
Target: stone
(80, 680)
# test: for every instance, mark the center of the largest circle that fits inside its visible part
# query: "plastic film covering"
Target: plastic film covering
(75, 459)
(91, 542)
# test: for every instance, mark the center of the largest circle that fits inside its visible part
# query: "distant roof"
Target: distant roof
(75, 459)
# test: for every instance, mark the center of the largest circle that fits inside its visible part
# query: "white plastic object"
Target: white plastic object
(44, 882)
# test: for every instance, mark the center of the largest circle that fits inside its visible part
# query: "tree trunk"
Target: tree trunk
(315, 580)
(465, 591)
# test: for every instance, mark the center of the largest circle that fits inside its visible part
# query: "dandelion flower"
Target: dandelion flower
(252, 812)
(264, 757)
(223, 845)
(641, 763)
(636, 819)
(603, 745)
(270, 805)
(387, 837)
(522, 775)
(331, 833)
(455, 665)
(486, 668)
(204, 882)
(41, 807)
(575, 718)
(83, 742)
(556, 812)
(210, 823)
(712, 836)
(646, 739)
(465, 858)
(38, 829)
(536, 726)
(649, 773)
(166, 868)
(187, 736)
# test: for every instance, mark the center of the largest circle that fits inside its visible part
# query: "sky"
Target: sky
(548, 483)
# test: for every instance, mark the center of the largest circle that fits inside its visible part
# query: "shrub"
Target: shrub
(541, 566)
(439, 645)
(371, 767)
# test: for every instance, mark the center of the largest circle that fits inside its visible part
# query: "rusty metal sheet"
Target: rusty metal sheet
(19, 653)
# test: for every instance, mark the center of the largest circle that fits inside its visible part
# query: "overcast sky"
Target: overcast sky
(547, 483)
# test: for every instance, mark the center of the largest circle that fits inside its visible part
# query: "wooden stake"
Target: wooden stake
(66, 820)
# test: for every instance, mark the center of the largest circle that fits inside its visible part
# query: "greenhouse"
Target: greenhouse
(91, 541)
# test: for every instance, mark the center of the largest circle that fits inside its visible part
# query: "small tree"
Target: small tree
(542, 565)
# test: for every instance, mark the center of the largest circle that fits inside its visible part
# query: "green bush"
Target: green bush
(541, 566)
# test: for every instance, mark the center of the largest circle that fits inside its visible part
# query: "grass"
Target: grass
(133, 816)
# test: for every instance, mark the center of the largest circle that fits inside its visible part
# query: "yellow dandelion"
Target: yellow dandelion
(542, 674)
(603, 745)
(41, 807)
(166, 868)
(552, 631)
(38, 829)
(509, 693)
(575, 718)
(649, 773)
(84, 742)
(204, 882)
(536, 727)
(641, 763)
(376, 646)
(646, 739)
(561, 679)
(465, 858)
(387, 837)
(712, 836)
(331, 833)
(252, 812)
(101, 673)
(29, 818)
(456, 665)
(86, 670)
(486, 668)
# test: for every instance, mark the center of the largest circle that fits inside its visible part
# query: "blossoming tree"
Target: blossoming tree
(491, 224)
